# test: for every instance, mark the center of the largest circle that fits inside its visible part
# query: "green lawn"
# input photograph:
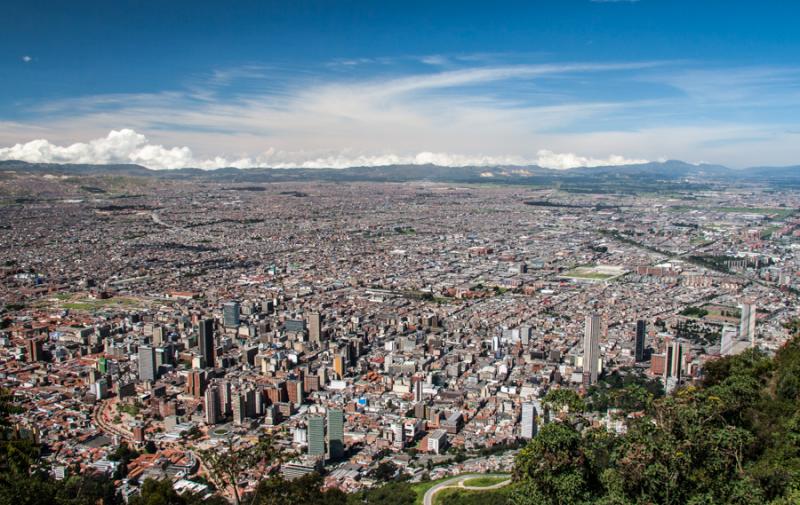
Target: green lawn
(422, 487)
(484, 481)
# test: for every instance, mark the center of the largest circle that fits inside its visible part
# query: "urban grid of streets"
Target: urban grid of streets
(418, 323)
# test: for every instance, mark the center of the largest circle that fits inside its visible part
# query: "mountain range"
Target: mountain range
(660, 174)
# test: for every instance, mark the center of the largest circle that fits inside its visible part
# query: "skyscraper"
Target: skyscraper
(641, 335)
(335, 434)
(230, 314)
(211, 405)
(239, 406)
(591, 349)
(206, 342)
(338, 365)
(147, 363)
(316, 436)
(528, 421)
(747, 323)
(674, 360)
(314, 323)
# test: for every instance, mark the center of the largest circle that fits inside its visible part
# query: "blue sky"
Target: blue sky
(560, 83)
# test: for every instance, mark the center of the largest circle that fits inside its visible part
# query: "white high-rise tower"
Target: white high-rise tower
(591, 349)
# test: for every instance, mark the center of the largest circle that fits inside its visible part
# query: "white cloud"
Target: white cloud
(470, 114)
(128, 146)
(27, 59)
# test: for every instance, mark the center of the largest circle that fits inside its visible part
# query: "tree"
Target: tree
(227, 462)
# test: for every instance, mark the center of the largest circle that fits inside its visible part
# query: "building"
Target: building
(314, 324)
(528, 421)
(239, 407)
(148, 370)
(338, 365)
(437, 441)
(674, 360)
(747, 323)
(196, 383)
(335, 434)
(641, 336)
(206, 342)
(230, 314)
(35, 350)
(591, 349)
(316, 436)
(211, 406)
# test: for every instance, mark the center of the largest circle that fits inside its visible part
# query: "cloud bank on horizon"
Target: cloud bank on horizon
(127, 146)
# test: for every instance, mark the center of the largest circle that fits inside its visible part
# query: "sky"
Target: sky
(295, 83)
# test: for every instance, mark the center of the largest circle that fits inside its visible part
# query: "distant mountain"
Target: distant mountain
(646, 175)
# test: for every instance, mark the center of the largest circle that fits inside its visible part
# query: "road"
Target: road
(458, 482)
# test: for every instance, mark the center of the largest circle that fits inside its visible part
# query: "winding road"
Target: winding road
(458, 482)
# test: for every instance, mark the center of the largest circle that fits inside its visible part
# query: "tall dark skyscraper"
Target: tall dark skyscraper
(335, 434)
(641, 335)
(206, 342)
(148, 371)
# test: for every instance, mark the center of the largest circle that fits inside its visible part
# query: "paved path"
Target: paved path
(458, 482)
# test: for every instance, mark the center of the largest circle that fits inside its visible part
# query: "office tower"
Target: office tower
(338, 365)
(158, 335)
(230, 314)
(747, 323)
(528, 421)
(294, 388)
(674, 360)
(316, 436)
(35, 350)
(418, 393)
(225, 394)
(147, 363)
(641, 335)
(591, 349)
(206, 342)
(314, 323)
(196, 383)
(211, 405)
(525, 334)
(239, 407)
(335, 434)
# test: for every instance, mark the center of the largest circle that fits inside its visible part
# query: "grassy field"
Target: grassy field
(455, 496)
(485, 481)
(89, 304)
(587, 273)
(422, 487)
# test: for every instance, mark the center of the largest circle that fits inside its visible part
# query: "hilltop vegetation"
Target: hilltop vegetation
(733, 440)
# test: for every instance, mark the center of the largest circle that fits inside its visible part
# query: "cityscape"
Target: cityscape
(343, 253)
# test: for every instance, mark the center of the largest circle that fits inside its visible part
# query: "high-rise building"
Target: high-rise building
(335, 434)
(316, 436)
(211, 405)
(35, 350)
(239, 407)
(314, 327)
(418, 392)
(641, 335)
(338, 365)
(196, 383)
(591, 349)
(230, 314)
(206, 342)
(674, 360)
(747, 323)
(528, 421)
(148, 370)
(294, 388)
